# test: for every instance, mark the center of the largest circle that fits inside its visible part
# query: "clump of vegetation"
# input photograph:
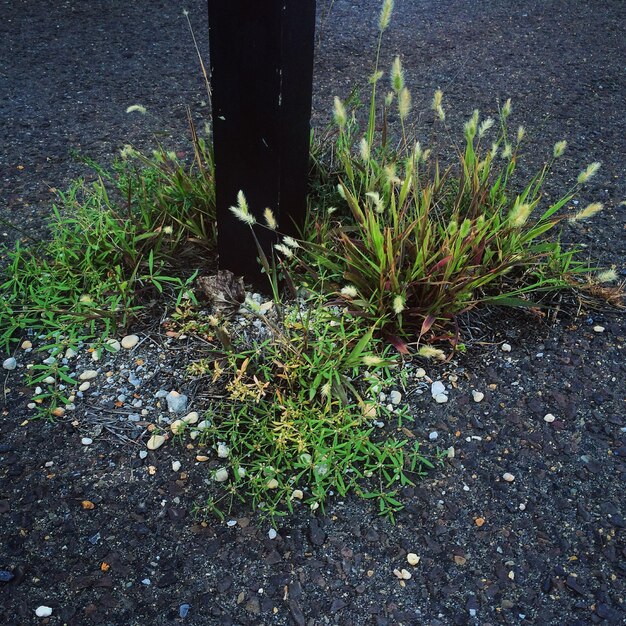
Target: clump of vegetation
(114, 244)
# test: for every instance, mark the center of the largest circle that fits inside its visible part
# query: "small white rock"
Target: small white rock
(43, 611)
(441, 398)
(176, 402)
(191, 418)
(478, 396)
(298, 494)
(9, 364)
(86, 441)
(176, 465)
(222, 451)
(156, 441)
(84, 386)
(420, 372)
(437, 388)
(395, 397)
(70, 353)
(88, 375)
(27, 345)
(130, 341)
(114, 345)
(508, 477)
(412, 558)
(49, 380)
(433, 436)
(241, 472)
(143, 454)
(598, 329)
(549, 418)
(49, 361)
(506, 347)
(221, 475)
(178, 427)
(272, 533)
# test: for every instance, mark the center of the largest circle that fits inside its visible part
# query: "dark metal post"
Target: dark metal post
(261, 78)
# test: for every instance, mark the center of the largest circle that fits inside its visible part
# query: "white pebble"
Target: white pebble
(478, 396)
(84, 386)
(437, 388)
(508, 477)
(598, 329)
(70, 353)
(88, 375)
(130, 341)
(272, 533)
(433, 436)
(27, 345)
(143, 454)
(49, 380)
(222, 451)
(221, 475)
(395, 397)
(549, 418)
(441, 398)
(49, 361)
(114, 345)
(43, 611)
(9, 364)
(412, 558)
(420, 372)
(506, 347)
(86, 441)
(176, 465)
(155, 442)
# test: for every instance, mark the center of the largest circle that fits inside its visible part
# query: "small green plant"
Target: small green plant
(115, 243)
(413, 244)
(300, 420)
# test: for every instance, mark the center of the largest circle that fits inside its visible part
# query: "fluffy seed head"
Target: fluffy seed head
(372, 361)
(589, 211)
(428, 352)
(521, 131)
(520, 214)
(385, 15)
(349, 291)
(398, 304)
(138, 108)
(291, 242)
(507, 108)
(465, 229)
(608, 276)
(389, 98)
(375, 77)
(485, 126)
(437, 99)
(374, 196)
(559, 148)
(397, 75)
(270, 220)
(341, 117)
(127, 151)
(471, 125)
(241, 211)
(507, 151)
(325, 389)
(404, 103)
(284, 250)
(586, 174)
(364, 150)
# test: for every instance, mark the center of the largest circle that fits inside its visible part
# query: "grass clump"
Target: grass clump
(300, 420)
(115, 244)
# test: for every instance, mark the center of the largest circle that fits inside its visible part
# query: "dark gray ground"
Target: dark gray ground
(68, 70)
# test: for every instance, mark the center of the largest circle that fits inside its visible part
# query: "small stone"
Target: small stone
(202, 458)
(420, 372)
(114, 345)
(176, 466)
(297, 494)
(143, 454)
(412, 558)
(130, 341)
(395, 397)
(146, 581)
(86, 441)
(241, 472)
(479, 521)
(433, 436)
(478, 396)
(508, 477)
(31, 405)
(221, 475)
(95, 355)
(84, 386)
(272, 483)
(176, 402)
(368, 410)
(27, 345)
(406, 575)
(58, 411)
(156, 441)
(183, 610)
(9, 364)
(441, 398)
(43, 611)
(272, 533)
(222, 451)
(178, 427)
(204, 424)
(598, 329)
(437, 388)
(49, 380)
(88, 375)
(191, 418)
(49, 361)
(506, 347)
(70, 353)
(450, 452)
(549, 418)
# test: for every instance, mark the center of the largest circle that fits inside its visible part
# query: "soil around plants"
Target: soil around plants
(101, 535)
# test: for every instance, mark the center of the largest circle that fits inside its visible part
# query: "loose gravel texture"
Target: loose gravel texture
(100, 535)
